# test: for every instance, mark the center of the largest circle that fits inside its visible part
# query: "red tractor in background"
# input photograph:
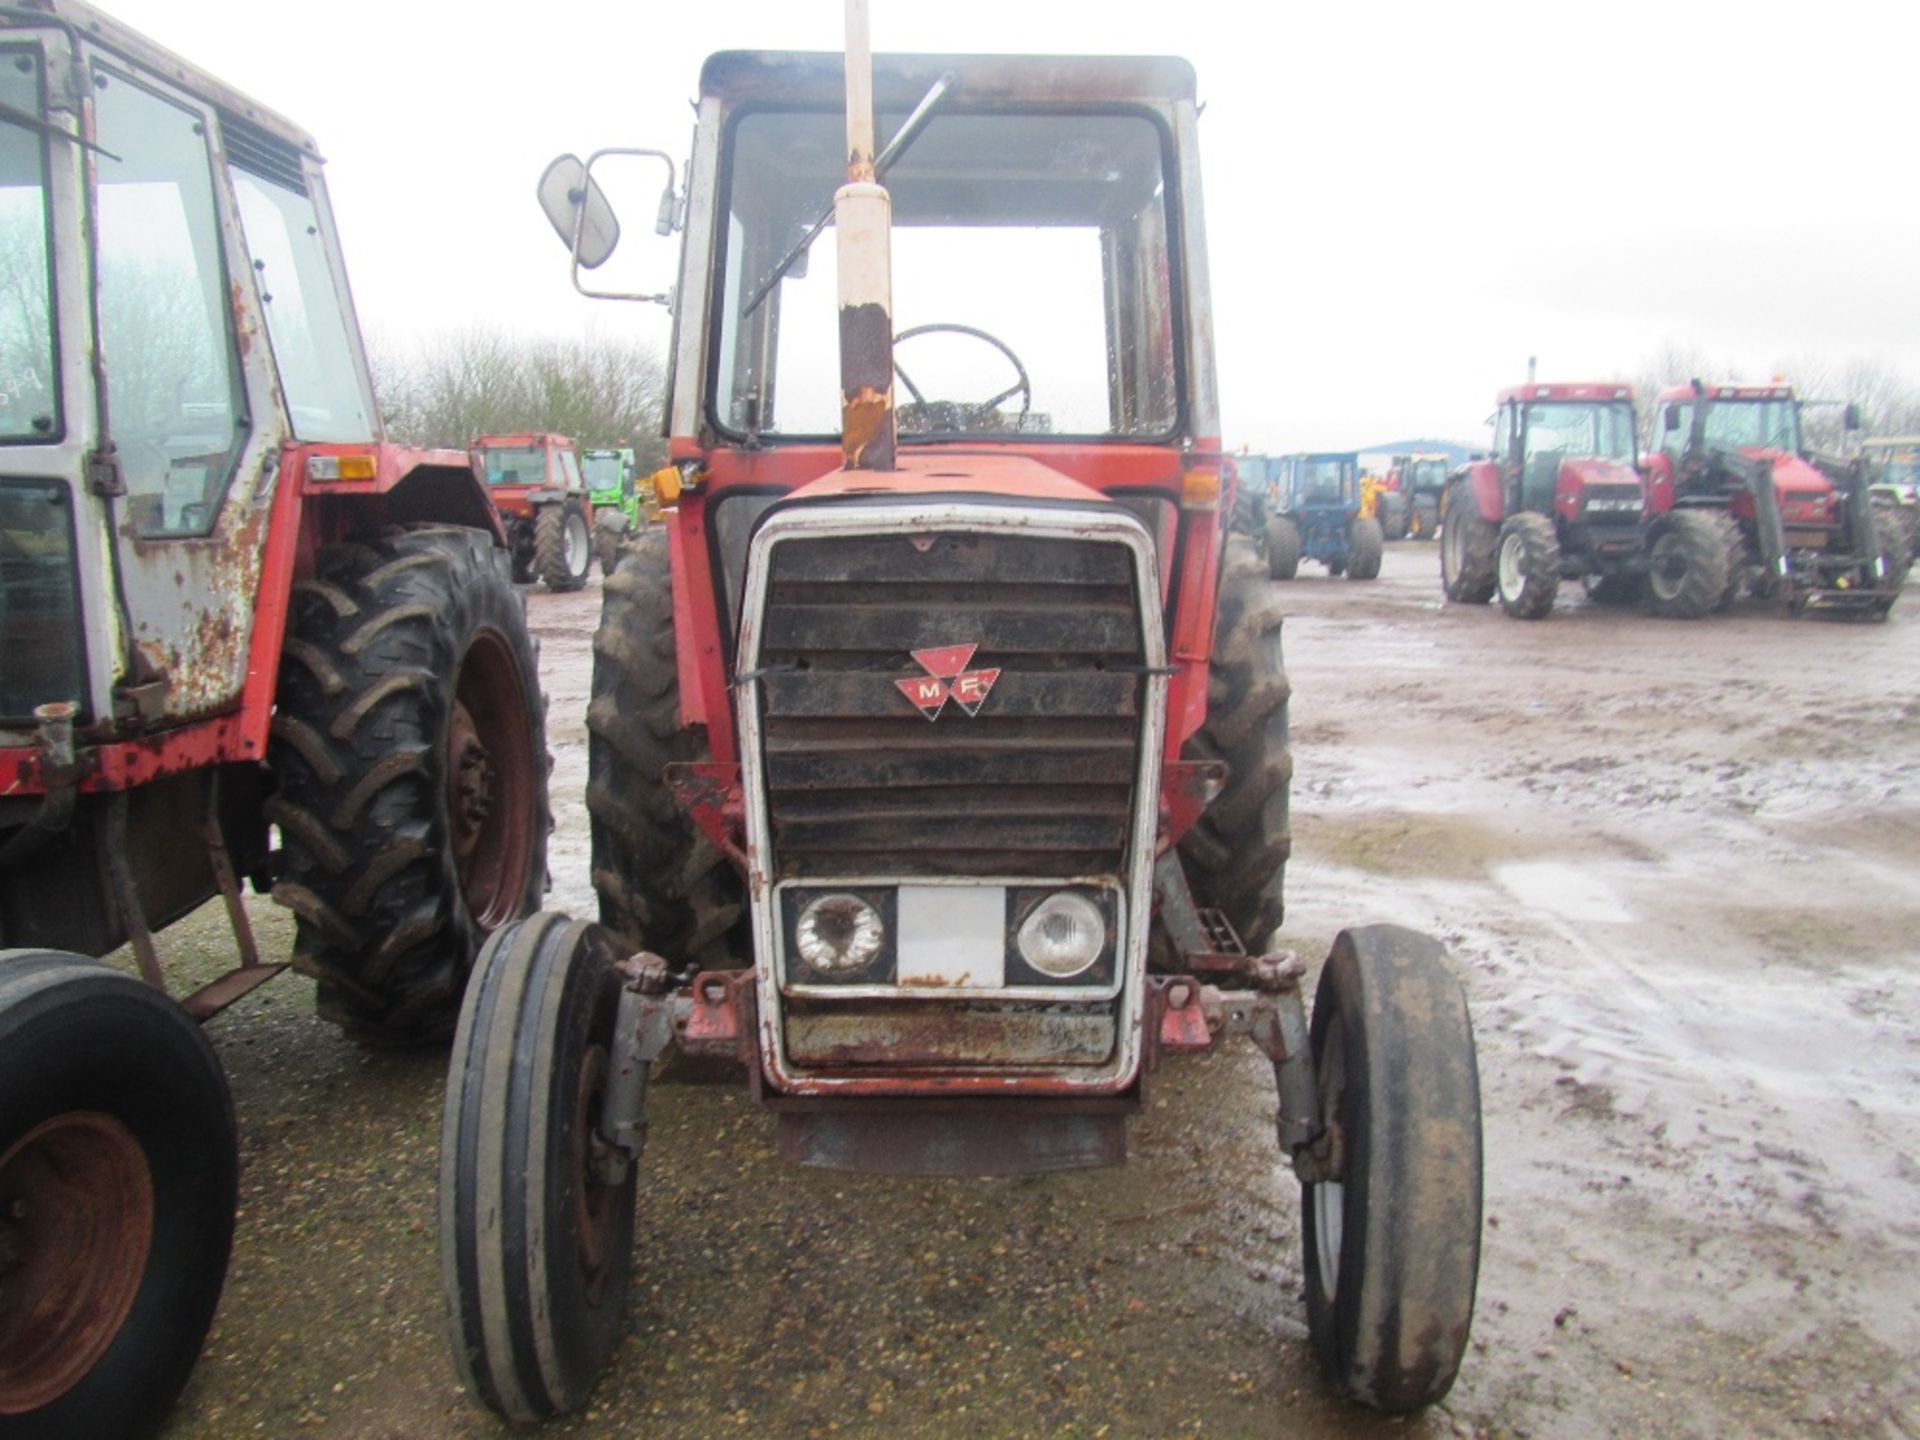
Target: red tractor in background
(536, 485)
(938, 767)
(1560, 498)
(1419, 480)
(1799, 529)
(241, 638)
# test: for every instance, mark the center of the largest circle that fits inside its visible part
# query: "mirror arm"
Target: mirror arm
(665, 297)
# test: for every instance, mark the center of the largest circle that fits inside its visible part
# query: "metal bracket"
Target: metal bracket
(709, 791)
(642, 1029)
(1274, 1016)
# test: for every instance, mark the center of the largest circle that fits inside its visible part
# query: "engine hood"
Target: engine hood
(1590, 470)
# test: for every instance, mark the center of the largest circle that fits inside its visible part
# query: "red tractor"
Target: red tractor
(1799, 529)
(537, 487)
(1560, 498)
(939, 762)
(1419, 480)
(241, 638)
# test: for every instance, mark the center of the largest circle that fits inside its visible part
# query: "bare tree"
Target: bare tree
(600, 390)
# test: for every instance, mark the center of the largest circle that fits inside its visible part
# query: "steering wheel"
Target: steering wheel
(954, 415)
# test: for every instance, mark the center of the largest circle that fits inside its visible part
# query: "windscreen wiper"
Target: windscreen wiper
(896, 147)
(47, 127)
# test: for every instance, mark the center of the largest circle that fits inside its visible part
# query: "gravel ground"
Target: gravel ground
(1675, 866)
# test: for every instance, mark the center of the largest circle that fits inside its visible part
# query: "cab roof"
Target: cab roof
(1776, 390)
(84, 22)
(1593, 390)
(810, 77)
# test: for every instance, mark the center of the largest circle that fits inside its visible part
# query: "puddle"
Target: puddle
(1561, 890)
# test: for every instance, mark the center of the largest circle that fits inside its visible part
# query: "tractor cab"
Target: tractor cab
(1327, 482)
(1319, 514)
(536, 485)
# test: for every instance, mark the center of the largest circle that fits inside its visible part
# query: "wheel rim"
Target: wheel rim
(1452, 539)
(1511, 578)
(1667, 569)
(76, 1225)
(596, 1204)
(489, 787)
(575, 534)
(1330, 1196)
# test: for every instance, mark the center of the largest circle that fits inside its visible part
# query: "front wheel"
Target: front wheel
(1365, 546)
(1466, 547)
(1687, 569)
(118, 1173)
(1283, 548)
(562, 549)
(1392, 1239)
(536, 1238)
(1527, 567)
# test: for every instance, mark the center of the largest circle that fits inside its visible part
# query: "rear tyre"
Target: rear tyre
(1283, 548)
(1392, 1242)
(609, 533)
(1394, 516)
(536, 1241)
(1467, 545)
(1365, 546)
(662, 884)
(562, 548)
(1687, 567)
(1236, 855)
(1423, 518)
(118, 1171)
(411, 756)
(1527, 566)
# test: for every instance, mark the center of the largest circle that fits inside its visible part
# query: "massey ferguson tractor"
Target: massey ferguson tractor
(939, 758)
(1801, 530)
(241, 639)
(1560, 498)
(540, 495)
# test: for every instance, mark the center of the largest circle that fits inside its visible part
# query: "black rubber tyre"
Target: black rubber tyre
(609, 533)
(536, 1245)
(663, 886)
(1895, 551)
(1394, 516)
(1615, 590)
(1283, 548)
(1423, 518)
(562, 546)
(1392, 1246)
(1236, 855)
(1467, 545)
(1687, 567)
(1527, 566)
(1365, 547)
(118, 1165)
(411, 756)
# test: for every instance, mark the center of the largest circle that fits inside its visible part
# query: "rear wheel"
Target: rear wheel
(1423, 518)
(1527, 567)
(609, 532)
(1365, 546)
(1393, 516)
(663, 886)
(1236, 854)
(1467, 545)
(411, 756)
(536, 1236)
(1392, 1239)
(562, 548)
(1687, 568)
(118, 1173)
(1283, 548)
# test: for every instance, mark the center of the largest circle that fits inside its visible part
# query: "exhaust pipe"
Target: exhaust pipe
(863, 220)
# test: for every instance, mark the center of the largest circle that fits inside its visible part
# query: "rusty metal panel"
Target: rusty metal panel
(946, 1033)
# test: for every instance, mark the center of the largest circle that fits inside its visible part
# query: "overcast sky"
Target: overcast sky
(1404, 202)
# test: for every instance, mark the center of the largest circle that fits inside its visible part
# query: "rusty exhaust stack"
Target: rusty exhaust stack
(863, 219)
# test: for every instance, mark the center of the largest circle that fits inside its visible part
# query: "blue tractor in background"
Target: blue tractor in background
(1316, 513)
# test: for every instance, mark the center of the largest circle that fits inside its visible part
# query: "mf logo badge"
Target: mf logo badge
(947, 678)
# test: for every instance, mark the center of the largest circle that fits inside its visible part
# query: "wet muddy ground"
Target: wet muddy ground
(1676, 866)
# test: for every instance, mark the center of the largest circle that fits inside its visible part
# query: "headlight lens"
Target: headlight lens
(1062, 935)
(839, 934)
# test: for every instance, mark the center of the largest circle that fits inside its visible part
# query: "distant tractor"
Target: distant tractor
(1560, 498)
(1380, 497)
(1420, 480)
(536, 485)
(1252, 477)
(614, 493)
(1319, 513)
(242, 638)
(1894, 462)
(1800, 530)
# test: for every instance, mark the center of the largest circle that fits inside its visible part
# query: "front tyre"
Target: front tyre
(1467, 544)
(1283, 548)
(1392, 1241)
(411, 758)
(1527, 567)
(562, 548)
(536, 1242)
(1687, 569)
(118, 1173)
(1365, 546)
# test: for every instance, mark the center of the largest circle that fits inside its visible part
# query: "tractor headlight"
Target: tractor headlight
(838, 934)
(1063, 935)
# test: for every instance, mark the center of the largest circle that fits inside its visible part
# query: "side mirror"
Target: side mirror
(580, 213)
(1850, 417)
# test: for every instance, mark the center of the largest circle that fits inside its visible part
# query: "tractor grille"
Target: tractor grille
(1039, 782)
